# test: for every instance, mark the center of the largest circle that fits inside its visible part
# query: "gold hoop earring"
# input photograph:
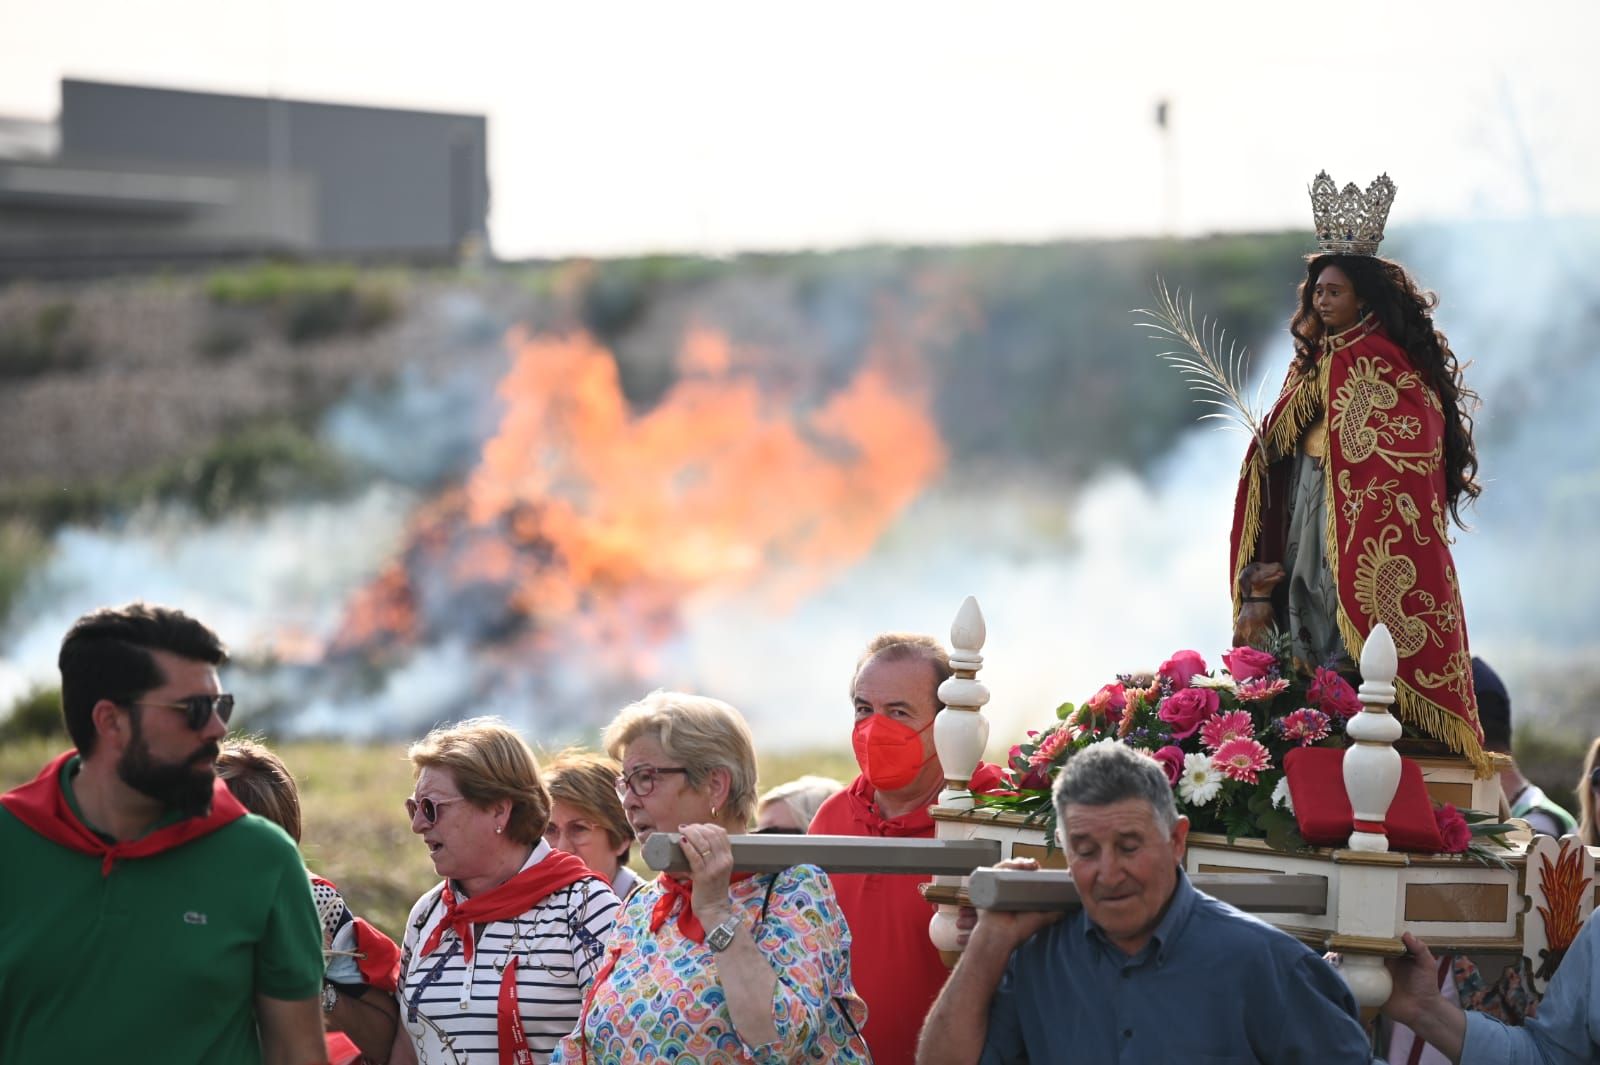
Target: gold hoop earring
(713, 811)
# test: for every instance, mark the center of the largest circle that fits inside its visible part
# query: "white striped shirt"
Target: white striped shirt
(450, 1007)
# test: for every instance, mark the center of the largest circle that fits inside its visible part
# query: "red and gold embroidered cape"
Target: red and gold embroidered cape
(1387, 539)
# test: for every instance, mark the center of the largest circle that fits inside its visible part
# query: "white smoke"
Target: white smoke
(1075, 588)
(258, 579)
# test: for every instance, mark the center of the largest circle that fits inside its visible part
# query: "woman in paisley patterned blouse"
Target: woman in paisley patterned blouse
(720, 968)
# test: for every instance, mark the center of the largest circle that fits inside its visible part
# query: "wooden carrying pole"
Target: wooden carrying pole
(1013, 890)
(663, 851)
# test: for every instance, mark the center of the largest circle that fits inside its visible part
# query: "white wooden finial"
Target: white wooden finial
(961, 732)
(1379, 662)
(1371, 764)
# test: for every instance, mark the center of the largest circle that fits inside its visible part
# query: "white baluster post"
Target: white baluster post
(1369, 911)
(1372, 765)
(961, 732)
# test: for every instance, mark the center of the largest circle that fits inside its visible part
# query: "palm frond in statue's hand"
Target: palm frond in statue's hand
(1220, 380)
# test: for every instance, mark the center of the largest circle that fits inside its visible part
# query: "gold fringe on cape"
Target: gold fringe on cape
(1304, 407)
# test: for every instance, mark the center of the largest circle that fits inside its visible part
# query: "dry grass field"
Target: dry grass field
(356, 833)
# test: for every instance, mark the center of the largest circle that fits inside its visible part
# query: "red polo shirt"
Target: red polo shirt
(892, 962)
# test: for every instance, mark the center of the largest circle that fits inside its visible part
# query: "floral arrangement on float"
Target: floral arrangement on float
(1224, 738)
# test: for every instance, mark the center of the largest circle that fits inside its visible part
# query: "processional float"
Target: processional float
(1529, 898)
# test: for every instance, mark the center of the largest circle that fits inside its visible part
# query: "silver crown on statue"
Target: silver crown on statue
(1349, 221)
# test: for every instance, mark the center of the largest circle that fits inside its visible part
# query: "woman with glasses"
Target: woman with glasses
(586, 816)
(718, 967)
(1588, 795)
(497, 957)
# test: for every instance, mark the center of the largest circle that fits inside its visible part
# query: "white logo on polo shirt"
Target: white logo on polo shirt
(194, 917)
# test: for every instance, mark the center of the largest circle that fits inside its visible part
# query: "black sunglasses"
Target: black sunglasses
(197, 709)
(1594, 777)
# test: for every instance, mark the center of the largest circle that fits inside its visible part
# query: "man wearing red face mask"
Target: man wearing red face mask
(897, 970)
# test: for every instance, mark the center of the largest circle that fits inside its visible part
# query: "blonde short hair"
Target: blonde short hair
(699, 733)
(803, 796)
(261, 782)
(587, 781)
(489, 762)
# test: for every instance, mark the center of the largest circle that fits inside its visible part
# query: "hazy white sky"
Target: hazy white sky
(720, 126)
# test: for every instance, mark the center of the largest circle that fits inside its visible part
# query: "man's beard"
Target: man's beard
(184, 786)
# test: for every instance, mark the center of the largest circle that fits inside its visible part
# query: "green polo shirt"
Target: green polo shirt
(159, 961)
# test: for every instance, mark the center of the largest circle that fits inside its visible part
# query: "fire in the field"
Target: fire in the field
(587, 523)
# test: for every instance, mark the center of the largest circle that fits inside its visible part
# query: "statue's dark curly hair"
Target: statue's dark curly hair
(1384, 288)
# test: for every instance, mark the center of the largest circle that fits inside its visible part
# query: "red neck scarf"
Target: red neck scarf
(516, 896)
(674, 891)
(42, 805)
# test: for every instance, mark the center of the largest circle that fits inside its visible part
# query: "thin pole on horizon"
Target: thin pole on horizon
(1169, 168)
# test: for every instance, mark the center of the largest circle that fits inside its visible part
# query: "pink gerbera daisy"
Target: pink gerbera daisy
(1260, 689)
(1050, 746)
(1224, 727)
(1241, 760)
(1305, 726)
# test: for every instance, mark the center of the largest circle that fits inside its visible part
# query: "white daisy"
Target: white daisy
(1222, 683)
(1280, 794)
(1199, 783)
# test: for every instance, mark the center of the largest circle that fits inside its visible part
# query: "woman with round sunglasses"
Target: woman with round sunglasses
(497, 957)
(718, 968)
(586, 816)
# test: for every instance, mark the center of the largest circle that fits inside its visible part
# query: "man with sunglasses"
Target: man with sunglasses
(145, 916)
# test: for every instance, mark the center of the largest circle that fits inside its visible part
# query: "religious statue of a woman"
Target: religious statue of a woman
(1359, 469)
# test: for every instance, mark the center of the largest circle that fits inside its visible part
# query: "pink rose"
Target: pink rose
(1187, 710)
(1108, 702)
(1453, 828)
(1334, 695)
(1171, 759)
(1246, 663)
(1180, 668)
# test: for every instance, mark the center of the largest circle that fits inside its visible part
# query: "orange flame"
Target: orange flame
(586, 519)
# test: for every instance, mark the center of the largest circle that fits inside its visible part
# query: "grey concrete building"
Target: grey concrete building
(142, 176)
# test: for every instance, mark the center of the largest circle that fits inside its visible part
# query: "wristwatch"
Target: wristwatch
(719, 937)
(330, 997)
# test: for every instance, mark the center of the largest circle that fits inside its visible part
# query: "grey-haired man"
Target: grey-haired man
(1150, 969)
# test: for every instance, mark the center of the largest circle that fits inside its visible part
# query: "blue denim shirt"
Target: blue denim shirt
(1567, 1028)
(1214, 985)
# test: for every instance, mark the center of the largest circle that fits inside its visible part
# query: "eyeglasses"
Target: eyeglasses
(429, 807)
(198, 709)
(1594, 777)
(642, 781)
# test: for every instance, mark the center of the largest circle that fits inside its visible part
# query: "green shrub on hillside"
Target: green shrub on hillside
(43, 342)
(306, 303)
(36, 715)
(258, 466)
